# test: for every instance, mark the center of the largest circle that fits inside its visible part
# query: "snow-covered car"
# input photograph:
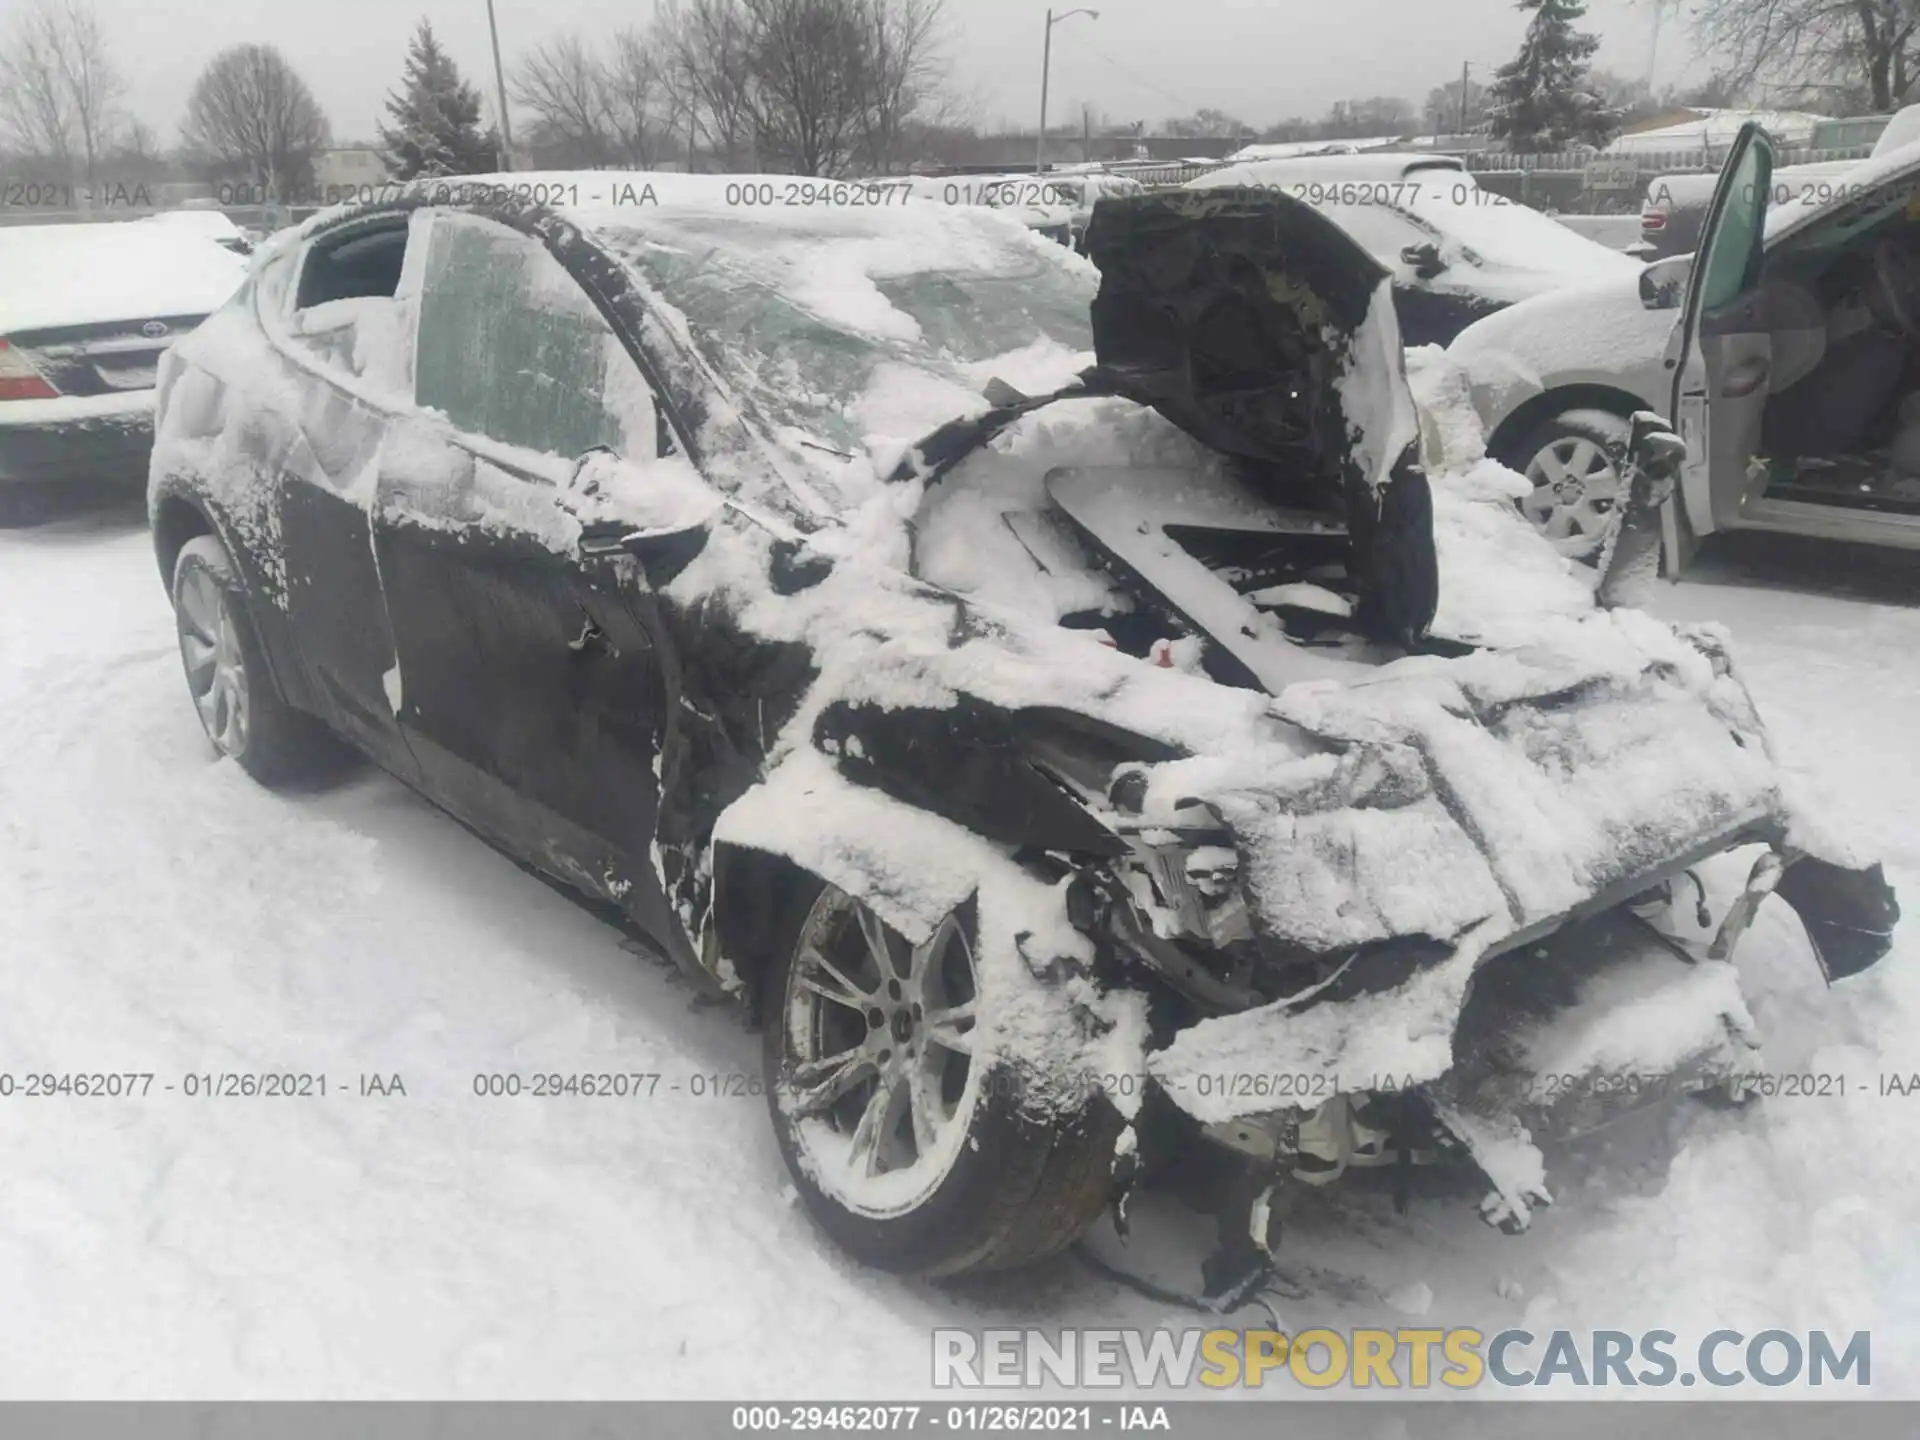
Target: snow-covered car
(1080, 191)
(1676, 205)
(1039, 202)
(1806, 317)
(85, 311)
(215, 225)
(1456, 252)
(1054, 700)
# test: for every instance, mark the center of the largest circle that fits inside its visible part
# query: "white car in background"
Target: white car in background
(1456, 252)
(214, 225)
(1036, 201)
(1785, 352)
(85, 312)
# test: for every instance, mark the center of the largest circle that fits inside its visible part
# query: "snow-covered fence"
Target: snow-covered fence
(1654, 162)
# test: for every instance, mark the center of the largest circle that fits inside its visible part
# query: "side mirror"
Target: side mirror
(660, 508)
(1630, 558)
(1663, 284)
(1424, 258)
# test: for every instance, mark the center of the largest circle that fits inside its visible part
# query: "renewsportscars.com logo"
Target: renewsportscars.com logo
(1405, 1359)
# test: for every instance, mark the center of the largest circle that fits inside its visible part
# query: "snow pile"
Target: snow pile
(1498, 582)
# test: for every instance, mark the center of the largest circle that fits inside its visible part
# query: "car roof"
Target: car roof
(1314, 169)
(1866, 176)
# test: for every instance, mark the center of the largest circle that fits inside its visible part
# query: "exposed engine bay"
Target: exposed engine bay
(1292, 560)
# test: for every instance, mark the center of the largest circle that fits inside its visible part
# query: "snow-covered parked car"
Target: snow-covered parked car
(1786, 360)
(1039, 202)
(1456, 252)
(85, 311)
(215, 225)
(1055, 701)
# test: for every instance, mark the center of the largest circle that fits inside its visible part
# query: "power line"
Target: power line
(1138, 78)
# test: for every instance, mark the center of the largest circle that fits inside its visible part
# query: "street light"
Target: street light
(500, 89)
(1046, 64)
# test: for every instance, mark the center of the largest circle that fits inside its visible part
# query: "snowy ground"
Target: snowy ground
(160, 913)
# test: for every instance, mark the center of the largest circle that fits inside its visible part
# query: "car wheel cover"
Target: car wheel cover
(216, 668)
(1576, 493)
(879, 1073)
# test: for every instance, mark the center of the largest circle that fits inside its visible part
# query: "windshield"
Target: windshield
(842, 332)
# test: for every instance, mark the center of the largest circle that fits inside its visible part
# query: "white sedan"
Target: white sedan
(85, 314)
(1792, 377)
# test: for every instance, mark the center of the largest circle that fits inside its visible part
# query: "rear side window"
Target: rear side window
(360, 263)
(512, 349)
(350, 306)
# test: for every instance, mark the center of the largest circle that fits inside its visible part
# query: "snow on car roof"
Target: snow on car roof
(214, 224)
(97, 273)
(1302, 149)
(1863, 177)
(1331, 167)
(1408, 199)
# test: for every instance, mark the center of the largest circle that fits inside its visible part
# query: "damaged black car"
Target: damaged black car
(1059, 698)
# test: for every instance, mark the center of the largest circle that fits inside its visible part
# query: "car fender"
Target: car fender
(1598, 336)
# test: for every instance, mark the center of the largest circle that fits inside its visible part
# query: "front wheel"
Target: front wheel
(1574, 461)
(913, 1149)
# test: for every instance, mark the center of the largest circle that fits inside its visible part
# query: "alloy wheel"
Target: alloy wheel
(216, 667)
(881, 1073)
(1576, 494)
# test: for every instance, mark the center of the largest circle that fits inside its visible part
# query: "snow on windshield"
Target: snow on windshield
(837, 325)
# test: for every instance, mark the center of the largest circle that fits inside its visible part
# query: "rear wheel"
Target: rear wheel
(238, 701)
(1574, 463)
(913, 1149)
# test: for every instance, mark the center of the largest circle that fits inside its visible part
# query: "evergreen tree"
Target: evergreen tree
(436, 129)
(1544, 99)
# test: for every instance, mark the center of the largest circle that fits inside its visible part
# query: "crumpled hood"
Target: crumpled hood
(1503, 787)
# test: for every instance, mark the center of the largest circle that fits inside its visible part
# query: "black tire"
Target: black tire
(1602, 429)
(274, 743)
(1026, 1182)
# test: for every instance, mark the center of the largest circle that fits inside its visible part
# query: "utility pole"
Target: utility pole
(1466, 71)
(1046, 65)
(500, 89)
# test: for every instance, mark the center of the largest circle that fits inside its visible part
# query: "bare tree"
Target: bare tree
(634, 94)
(812, 76)
(903, 74)
(566, 89)
(710, 67)
(250, 109)
(93, 84)
(59, 90)
(1872, 44)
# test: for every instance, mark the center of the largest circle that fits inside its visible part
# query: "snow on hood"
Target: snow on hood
(92, 274)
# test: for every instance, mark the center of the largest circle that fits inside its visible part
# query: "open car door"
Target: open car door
(1721, 354)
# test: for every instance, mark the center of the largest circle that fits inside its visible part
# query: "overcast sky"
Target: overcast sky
(1142, 60)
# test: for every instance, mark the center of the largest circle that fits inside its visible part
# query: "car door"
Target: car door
(1721, 353)
(528, 679)
(336, 316)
